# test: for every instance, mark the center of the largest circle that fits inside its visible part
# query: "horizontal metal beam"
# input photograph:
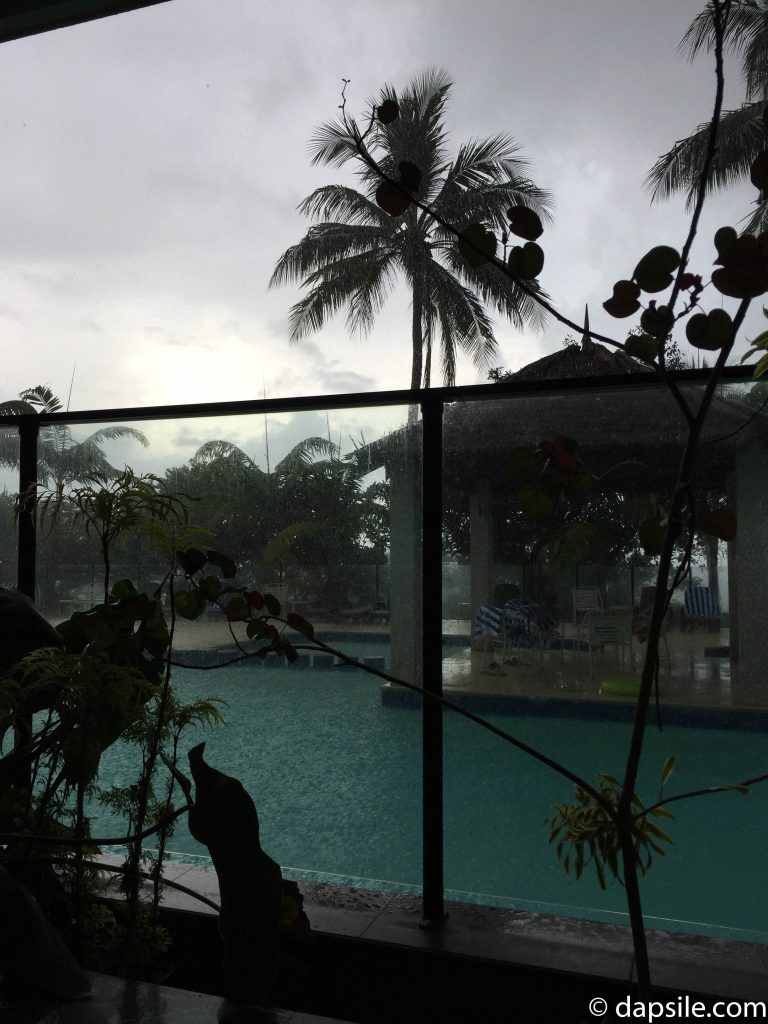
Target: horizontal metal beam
(379, 399)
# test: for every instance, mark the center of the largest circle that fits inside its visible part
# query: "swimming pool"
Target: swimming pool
(336, 778)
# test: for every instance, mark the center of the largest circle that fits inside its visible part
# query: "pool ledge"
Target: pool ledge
(720, 968)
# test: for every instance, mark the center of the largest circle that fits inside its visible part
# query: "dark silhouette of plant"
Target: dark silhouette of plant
(352, 255)
(742, 132)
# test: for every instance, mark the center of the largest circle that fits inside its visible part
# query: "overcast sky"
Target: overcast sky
(153, 163)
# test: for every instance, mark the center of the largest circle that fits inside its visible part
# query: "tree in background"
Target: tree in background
(311, 520)
(742, 132)
(61, 460)
(352, 256)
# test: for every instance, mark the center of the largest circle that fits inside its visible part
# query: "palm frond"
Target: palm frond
(335, 285)
(463, 321)
(42, 397)
(375, 283)
(213, 451)
(116, 433)
(341, 203)
(326, 244)
(740, 138)
(305, 453)
(746, 32)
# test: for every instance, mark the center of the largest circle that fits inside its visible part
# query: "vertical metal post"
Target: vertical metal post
(27, 538)
(433, 909)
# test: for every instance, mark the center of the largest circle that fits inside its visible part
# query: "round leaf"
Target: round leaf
(710, 331)
(652, 535)
(526, 261)
(392, 199)
(623, 302)
(525, 222)
(410, 175)
(300, 624)
(476, 244)
(642, 346)
(388, 112)
(656, 321)
(758, 172)
(534, 503)
(720, 522)
(654, 271)
(725, 239)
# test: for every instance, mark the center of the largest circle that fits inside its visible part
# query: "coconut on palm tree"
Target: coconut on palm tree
(60, 458)
(743, 132)
(354, 253)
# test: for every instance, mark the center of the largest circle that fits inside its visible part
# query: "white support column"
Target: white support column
(752, 568)
(405, 568)
(481, 569)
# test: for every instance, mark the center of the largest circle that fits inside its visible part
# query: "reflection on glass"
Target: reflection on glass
(547, 599)
(304, 507)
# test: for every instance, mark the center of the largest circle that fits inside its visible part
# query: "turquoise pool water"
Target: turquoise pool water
(336, 779)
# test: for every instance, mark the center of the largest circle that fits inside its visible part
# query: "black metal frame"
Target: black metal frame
(432, 402)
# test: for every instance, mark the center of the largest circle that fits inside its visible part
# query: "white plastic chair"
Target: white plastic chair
(609, 627)
(586, 600)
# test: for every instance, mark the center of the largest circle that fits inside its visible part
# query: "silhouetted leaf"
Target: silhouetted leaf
(667, 769)
(744, 259)
(520, 465)
(476, 244)
(189, 604)
(258, 627)
(719, 522)
(710, 331)
(642, 346)
(272, 604)
(388, 111)
(210, 587)
(227, 566)
(534, 503)
(410, 175)
(725, 239)
(657, 321)
(526, 261)
(237, 610)
(654, 271)
(300, 624)
(254, 599)
(652, 535)
(123, 589)
(758, 172)
(191, 560)
(525, 222)
(392, 199)
(623, 302)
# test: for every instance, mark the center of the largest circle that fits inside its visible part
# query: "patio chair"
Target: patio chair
(700, 608)
(586, 600)
(609, 628)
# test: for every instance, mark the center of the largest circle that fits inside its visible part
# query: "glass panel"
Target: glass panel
(9, 447)
(302, 504)
(547, 597)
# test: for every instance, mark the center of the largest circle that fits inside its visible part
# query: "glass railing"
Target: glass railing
(542, 496)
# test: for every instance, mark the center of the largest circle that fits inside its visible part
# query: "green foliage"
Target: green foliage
(586, 832)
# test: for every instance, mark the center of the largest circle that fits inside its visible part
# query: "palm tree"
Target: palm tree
(60, 459)
(742, 132)
(351, 257)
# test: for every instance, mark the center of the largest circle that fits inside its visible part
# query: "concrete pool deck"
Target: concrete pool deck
(696, 673)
